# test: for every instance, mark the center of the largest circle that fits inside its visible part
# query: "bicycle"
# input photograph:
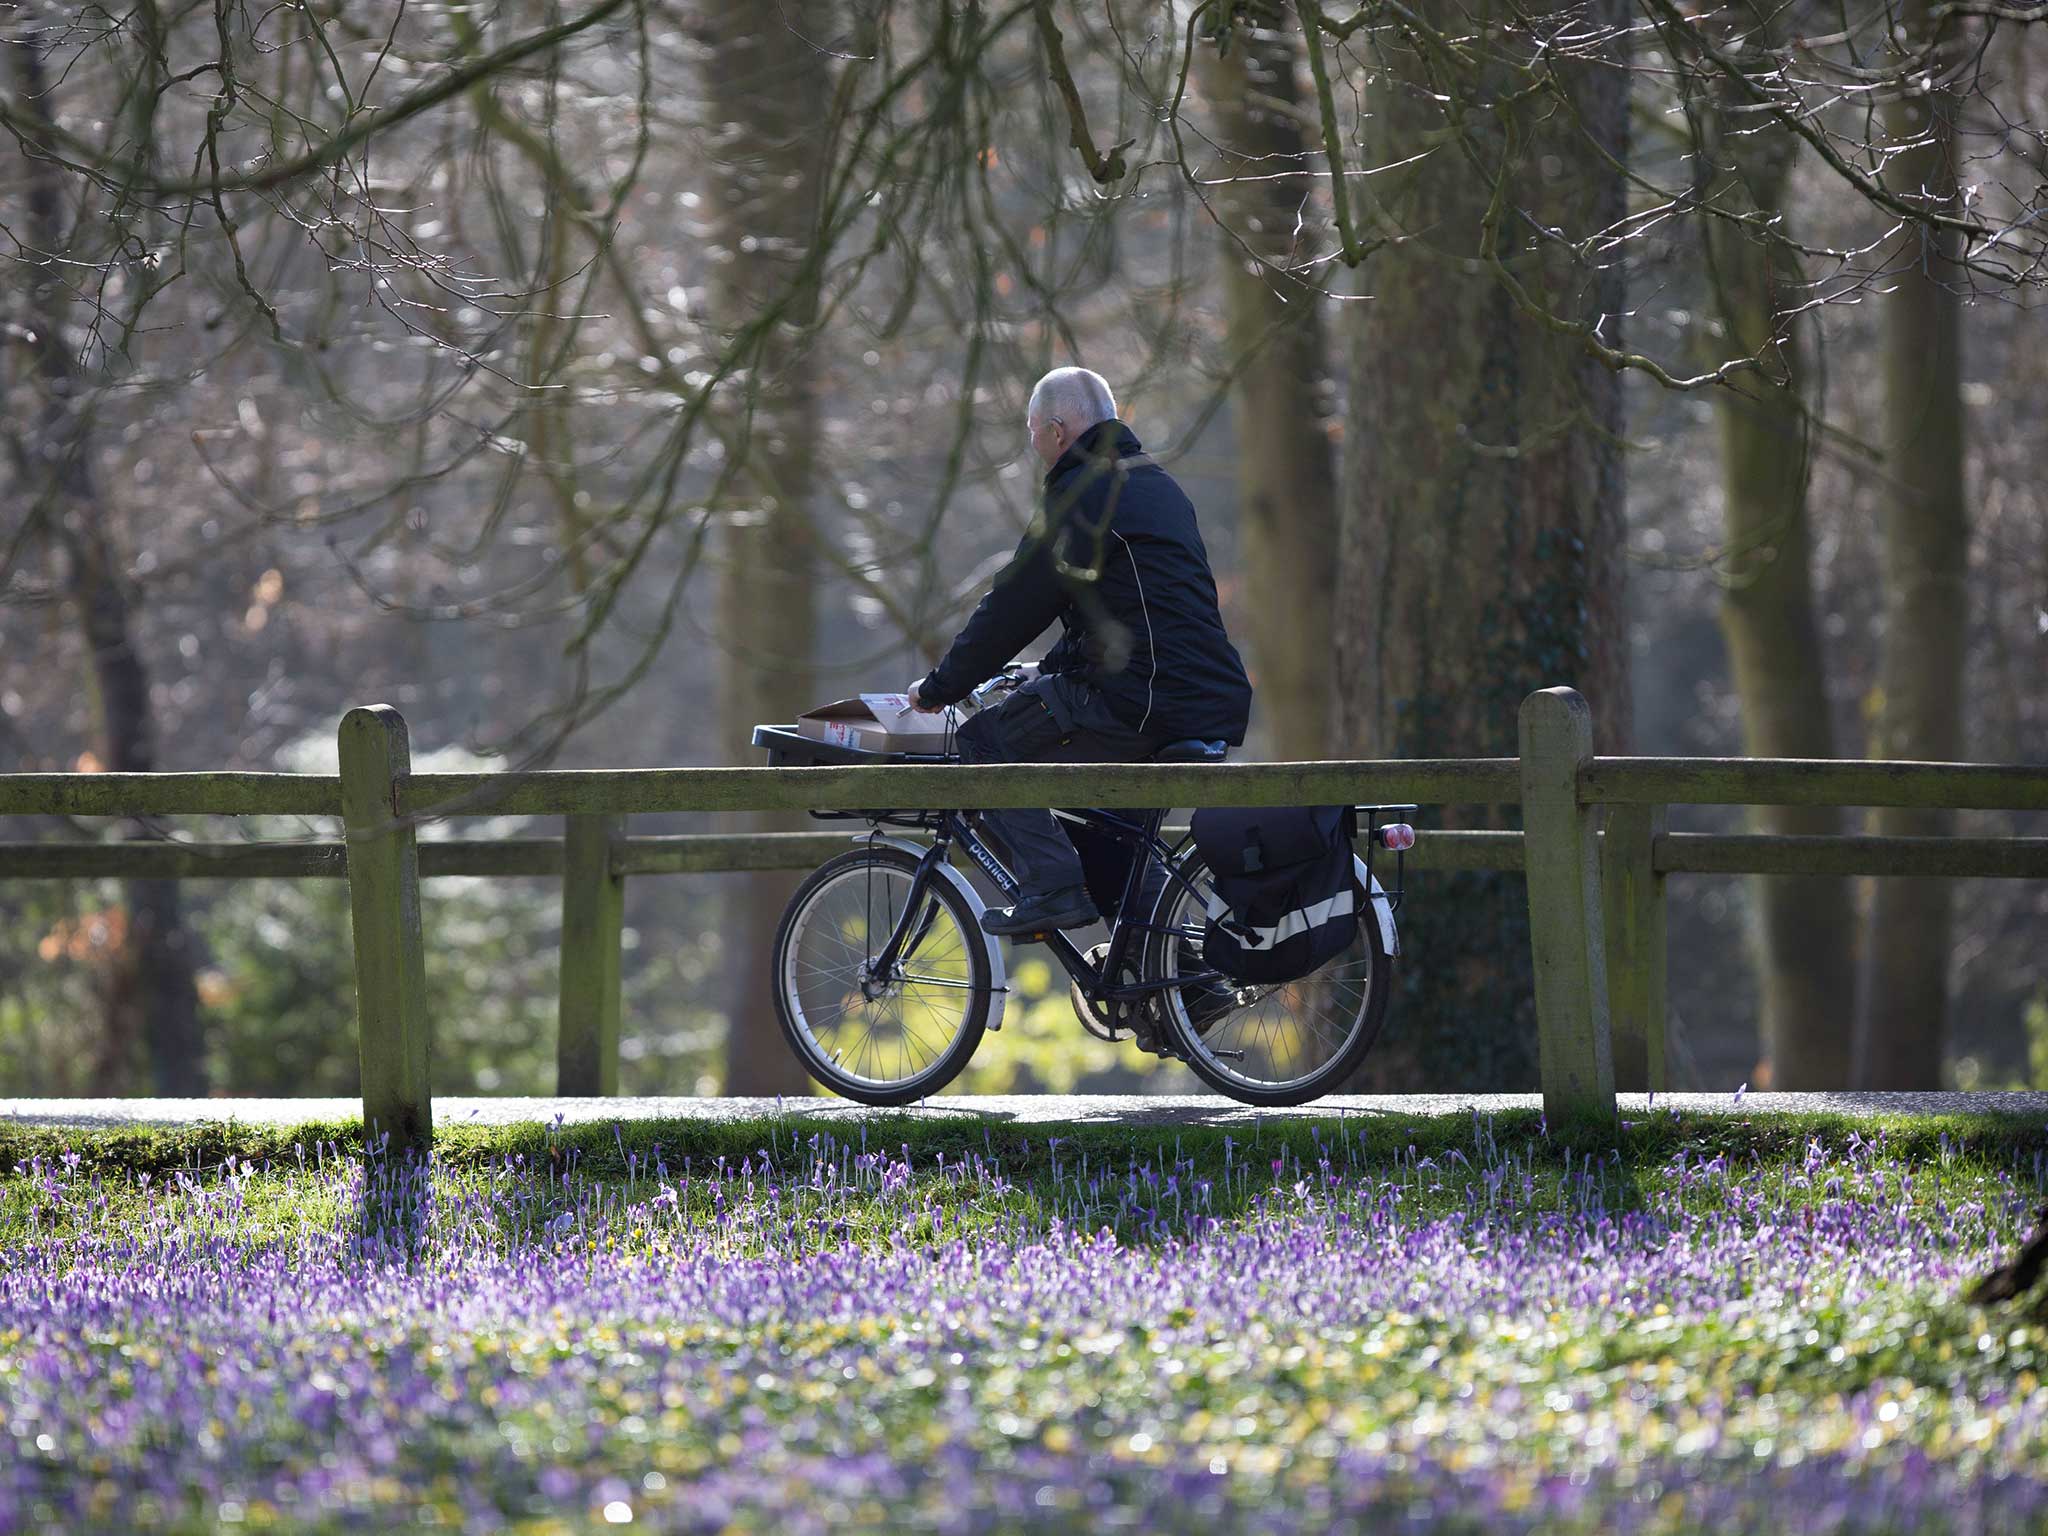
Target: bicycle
(885, 983)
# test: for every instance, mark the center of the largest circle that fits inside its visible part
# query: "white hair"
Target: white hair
(1077, 397)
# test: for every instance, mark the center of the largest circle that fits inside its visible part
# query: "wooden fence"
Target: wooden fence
(1596, 893)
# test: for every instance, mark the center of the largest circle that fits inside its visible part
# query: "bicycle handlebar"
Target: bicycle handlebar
(1009, 680)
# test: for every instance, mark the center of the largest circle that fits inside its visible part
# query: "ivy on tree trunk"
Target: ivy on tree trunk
(1482, 541)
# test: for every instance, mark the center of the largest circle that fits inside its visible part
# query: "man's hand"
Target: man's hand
(917, 701)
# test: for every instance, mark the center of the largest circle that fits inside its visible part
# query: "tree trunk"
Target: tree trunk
(1482, 541)
(765, 90)
(1805, 928)
(152, 996)
(1926, 555)
(1286, 474)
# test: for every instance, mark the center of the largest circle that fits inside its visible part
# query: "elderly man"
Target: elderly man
(1142, 659)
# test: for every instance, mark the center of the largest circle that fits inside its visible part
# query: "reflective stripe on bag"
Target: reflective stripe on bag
(1299, 921)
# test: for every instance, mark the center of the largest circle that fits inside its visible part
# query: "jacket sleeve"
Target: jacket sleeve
(1026, 596)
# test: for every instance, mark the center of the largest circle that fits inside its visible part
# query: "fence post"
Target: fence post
(1565, 931)
(384, 913)
(1632, 896)
(593, 923)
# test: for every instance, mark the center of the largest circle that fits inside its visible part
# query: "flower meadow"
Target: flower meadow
(1321, 1325)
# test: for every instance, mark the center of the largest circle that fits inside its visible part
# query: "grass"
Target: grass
(1729, 1321)
(1962, 1154)
(601, 1147)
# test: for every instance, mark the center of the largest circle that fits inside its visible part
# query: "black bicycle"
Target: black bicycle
(885, 982)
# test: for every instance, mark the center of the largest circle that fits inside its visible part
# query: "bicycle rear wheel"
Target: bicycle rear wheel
(1266, 1045)
(880, 1039)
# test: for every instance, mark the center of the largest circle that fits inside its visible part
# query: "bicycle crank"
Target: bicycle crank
(1099, 1019)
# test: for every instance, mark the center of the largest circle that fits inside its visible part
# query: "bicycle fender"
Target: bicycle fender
(999, 978)
(1382, 907)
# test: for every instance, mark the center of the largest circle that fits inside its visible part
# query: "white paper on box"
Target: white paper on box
(877, 722)
(888, 707)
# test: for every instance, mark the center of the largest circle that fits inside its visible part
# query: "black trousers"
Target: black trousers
(1055, 719)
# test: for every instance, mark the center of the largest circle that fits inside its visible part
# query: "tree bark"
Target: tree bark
(1482, 540)
(1804, 933)
(152, 997)
(1286, 471)
(1926, 555)
(765, 88)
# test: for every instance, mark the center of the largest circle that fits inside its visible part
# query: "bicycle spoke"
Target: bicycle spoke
(906, 1034)
(867, 1035)
(849, 975)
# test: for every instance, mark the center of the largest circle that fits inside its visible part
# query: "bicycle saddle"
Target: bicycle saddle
(1192, 751)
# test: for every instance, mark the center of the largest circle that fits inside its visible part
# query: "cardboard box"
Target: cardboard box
(878, 722)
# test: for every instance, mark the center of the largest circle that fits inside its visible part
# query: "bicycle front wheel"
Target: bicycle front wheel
(1267, 1045)
(880, 1039)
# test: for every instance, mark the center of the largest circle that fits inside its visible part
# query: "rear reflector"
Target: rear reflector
(1395, 836)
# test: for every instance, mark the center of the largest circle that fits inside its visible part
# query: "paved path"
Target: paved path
(106, 1114)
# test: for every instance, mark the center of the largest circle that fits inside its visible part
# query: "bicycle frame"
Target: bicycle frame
(951, 827)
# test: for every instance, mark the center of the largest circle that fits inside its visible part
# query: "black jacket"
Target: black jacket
(1116, 558)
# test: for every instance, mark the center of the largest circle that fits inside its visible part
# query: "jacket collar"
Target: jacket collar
(1109, 440)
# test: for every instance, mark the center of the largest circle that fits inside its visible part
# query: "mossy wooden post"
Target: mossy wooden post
(384, 912)
(1632, 896)
(593, 925)
(1566, 933)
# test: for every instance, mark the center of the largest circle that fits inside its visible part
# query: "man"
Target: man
(1143, 659)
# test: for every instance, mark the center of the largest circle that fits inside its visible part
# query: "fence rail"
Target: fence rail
(636, 791)
(170, 794)
(1813, 781)
(1597, 902)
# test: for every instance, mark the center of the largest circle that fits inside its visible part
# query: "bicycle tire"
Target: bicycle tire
(801, 1032)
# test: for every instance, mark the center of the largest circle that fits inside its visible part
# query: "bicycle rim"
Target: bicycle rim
(871, 1034)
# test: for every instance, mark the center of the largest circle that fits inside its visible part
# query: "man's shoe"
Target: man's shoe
(1205, 1001)
(1070, 908)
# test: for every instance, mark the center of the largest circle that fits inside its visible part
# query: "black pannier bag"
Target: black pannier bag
(1287, 897)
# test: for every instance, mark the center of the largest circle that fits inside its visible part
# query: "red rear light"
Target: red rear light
(1395, 836)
